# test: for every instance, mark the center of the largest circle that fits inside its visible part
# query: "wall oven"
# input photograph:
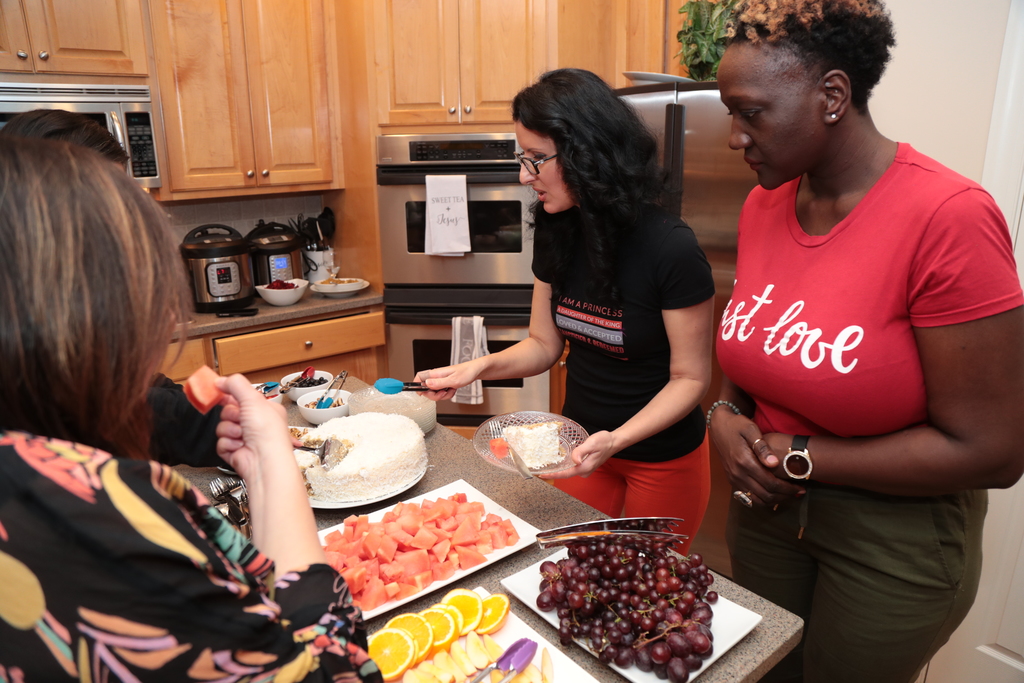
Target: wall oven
(423, 292)
(125, 110)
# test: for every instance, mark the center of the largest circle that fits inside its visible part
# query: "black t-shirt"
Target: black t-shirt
(619, 355)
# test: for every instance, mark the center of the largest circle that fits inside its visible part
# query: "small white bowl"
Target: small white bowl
(283, 297)
(320, 415)
(275, 397)
(295, 392)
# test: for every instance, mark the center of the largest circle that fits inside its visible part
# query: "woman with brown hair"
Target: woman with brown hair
(180, 433)
(873, 353)
(111, 565)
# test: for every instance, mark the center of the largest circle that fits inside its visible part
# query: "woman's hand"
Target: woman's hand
(588, 456)
(752, 460)
(250, 426)
(444, 381)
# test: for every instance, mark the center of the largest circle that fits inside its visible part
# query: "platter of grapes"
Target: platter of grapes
(648, 614)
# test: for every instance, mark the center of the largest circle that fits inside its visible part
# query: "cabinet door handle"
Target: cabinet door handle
(468, 109)
(451, 110)
(561, 363)
(250, 173)
(44, 55)
(264, 173)
(22, 54)
(309, 345)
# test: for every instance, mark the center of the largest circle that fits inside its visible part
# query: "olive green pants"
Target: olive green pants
(880, 581)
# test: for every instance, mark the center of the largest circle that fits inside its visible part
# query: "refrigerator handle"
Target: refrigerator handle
(675, 140)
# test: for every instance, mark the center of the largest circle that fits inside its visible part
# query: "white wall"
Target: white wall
(938, 90)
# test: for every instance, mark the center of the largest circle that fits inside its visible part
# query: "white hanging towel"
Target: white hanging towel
(447, 216)
(469, 341)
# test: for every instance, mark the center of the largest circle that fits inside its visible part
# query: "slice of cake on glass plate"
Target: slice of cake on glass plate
(537, 444)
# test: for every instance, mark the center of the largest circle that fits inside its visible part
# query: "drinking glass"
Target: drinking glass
(330, 262)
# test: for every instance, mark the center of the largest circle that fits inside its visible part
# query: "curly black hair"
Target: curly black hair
(57, 124)
(855, 36)
(609, 164)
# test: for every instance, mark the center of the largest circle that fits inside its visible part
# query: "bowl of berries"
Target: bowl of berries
(283, 292)
(298, 384)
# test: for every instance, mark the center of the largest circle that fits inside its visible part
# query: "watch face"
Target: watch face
(797, 465)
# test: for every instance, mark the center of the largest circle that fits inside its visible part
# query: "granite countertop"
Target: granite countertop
(453, 457)
(311, 304)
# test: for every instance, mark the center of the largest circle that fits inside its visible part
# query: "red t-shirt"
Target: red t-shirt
(819, 330)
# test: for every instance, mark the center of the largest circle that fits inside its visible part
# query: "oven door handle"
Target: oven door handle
(422, 317)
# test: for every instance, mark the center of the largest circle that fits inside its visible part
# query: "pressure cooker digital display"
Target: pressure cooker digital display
(280, 267)
(222, 279)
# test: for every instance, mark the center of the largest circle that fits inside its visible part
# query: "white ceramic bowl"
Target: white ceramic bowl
(283, 297)
(320, 415)
(275, 397)
(295, 392)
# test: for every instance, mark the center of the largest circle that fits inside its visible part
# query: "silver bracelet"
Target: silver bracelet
(716, 404)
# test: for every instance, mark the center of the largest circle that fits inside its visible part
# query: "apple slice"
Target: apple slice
(493, 649)
(547, 669)
(462, 659)
(443, 660)
(442, 675)
(476, 651)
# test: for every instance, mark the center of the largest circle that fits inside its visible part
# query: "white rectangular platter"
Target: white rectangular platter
(730, 624)
(515, 628)
(527, 535)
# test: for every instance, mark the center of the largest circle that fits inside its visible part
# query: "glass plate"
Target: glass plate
(571, 435)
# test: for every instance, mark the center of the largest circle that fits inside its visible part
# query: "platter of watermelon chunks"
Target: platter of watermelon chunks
(391, 556)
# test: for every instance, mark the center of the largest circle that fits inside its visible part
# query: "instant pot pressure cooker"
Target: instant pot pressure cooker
(276, 252)
(217, 256)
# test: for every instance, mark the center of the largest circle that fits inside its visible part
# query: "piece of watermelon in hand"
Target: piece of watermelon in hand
(201, 390)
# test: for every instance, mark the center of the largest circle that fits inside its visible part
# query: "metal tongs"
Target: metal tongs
(231, 498)
(327, 400)
(642, 532)
(513, 661)
(306, 374)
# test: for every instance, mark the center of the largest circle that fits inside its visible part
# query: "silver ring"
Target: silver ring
(743, 498)
(756, 442)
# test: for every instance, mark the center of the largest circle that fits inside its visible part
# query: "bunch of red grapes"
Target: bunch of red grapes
(646, 607)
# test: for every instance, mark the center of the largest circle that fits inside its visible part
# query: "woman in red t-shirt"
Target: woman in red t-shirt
(873, 353)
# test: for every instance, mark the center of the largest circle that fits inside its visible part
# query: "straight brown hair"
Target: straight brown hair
(90, 293)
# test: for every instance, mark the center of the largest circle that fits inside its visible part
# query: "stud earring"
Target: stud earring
(833, 115)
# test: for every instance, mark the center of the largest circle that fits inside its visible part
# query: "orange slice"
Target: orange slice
(393, 650)
(456, 615)
(470, 604)
(495, 608)
(443, 626)
(419, 628)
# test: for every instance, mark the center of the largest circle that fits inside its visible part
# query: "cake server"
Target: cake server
(520, 465)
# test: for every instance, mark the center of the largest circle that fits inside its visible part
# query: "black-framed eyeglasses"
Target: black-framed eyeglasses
(533, 165)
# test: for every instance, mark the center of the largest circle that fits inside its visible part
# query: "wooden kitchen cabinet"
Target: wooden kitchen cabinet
(102, 37)
(243, 87)
(348, 343)
(456, 61)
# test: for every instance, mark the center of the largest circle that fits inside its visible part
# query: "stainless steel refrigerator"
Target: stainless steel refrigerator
(708, 181)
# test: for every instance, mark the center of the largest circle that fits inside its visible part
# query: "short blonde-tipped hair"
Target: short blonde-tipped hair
(90, 292)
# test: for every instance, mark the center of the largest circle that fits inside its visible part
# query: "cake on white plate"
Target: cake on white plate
(379, 455)
(537, 444)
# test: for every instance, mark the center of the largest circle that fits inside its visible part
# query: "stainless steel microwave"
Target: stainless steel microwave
(125, 110)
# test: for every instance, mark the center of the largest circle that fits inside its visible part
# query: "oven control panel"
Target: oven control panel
(462, 150)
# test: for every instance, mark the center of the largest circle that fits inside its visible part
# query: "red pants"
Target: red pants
(627, 488)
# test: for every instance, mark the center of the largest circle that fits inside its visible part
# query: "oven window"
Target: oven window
(494, 227)
(437, 353)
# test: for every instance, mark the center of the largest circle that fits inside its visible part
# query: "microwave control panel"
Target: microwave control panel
(462, 150)
(140, 142)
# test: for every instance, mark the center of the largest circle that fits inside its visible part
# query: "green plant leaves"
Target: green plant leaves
(702, 37)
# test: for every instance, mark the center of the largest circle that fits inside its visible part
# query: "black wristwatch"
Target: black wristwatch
(797, 462)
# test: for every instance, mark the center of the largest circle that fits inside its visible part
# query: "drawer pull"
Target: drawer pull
(309, 345)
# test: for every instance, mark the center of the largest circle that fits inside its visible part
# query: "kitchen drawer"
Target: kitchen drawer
(299, 343)
(179, 367)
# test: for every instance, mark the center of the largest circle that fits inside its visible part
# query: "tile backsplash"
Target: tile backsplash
(242, 214)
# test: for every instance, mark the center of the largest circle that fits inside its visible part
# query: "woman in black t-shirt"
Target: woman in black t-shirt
(626, 284)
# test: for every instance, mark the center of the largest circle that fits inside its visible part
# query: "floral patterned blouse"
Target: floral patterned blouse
(120, 570)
